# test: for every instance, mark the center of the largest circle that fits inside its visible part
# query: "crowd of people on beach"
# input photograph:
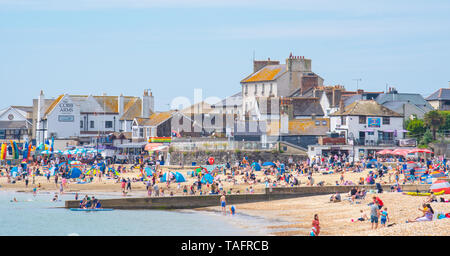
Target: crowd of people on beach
(244, 175)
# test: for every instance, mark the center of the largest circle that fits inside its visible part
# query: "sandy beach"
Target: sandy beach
(335, 218)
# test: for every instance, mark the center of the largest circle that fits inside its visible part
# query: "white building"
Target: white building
(272, 79)
(366, 122)
(86, 116)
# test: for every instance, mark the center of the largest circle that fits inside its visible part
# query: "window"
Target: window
(370, 133)
(246, 89)
(92, 124)
(386, 120)
(135, 132)
(141, 132)
(317, 123)
(324, 123)
(81, 124)
(255, 89)
(362, 119)
(343, 121)
(271, 88)
(262, 89)
(108, 124)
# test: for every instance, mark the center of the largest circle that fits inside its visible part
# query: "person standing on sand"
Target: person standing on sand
(56, 180)
(316, 225)
(223, 203)
(374, 214)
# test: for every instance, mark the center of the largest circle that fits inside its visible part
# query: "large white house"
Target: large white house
(366, 122)
(84, 116)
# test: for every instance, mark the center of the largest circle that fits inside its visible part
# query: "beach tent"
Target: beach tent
(268, 164)
(440, 185)
(179, 177)
(256, 166)
(207, 178)
(74, 173)
(149, 171)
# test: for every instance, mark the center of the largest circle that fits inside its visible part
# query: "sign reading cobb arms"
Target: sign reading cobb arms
(65, 107)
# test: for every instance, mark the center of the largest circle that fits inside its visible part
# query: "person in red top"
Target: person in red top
(380, 203)
(316, 225)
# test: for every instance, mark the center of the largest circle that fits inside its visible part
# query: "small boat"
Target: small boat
(91, 210)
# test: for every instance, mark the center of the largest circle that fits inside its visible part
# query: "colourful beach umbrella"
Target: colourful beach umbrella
(440, 185)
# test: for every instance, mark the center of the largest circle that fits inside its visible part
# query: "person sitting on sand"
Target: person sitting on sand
(335, 198)
(363, 216)
(431, 198)
(427, 214)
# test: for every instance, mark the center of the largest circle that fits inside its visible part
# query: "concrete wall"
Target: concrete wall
(190, 202)
(222, 157)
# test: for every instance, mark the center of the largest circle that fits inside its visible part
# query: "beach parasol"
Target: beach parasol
(207, 178)
(420, 150)
(385, 152)
(201, 169)
(400, 152)
(440, 185)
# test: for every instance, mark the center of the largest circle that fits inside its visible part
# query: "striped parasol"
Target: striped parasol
(440, 185)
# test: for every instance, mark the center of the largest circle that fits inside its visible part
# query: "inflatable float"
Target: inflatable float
(423, 194)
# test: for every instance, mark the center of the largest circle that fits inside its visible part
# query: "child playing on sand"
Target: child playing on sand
(384, 217)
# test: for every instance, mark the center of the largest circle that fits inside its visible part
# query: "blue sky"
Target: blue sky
(174, 46)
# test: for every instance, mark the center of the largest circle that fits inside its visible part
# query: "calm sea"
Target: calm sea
(38, 215)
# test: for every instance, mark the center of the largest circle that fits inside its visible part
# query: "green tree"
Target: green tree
(416, 128)
(427, 137)
(434, 119)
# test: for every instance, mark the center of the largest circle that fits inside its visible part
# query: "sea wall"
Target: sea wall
(221, 157)
(191, 202)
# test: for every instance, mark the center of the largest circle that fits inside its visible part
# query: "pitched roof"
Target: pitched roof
(53, 105)
(441, 94)
(366, 108)
(132, 109)
(307, 107)
(233, 100)
(268, 73)
(155, 119)
(413, 98)
(109, 104)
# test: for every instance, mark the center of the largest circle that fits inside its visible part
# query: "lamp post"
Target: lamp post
(352, 137)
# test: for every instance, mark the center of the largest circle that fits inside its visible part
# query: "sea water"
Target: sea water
(40, 216)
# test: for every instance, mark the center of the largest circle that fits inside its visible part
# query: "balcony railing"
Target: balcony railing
(360, 142)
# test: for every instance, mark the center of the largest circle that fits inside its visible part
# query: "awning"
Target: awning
(132, 145)
(388, 130)
(368, 130)
(156, 147)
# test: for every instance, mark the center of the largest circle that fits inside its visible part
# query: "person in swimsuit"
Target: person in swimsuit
(223, 203)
